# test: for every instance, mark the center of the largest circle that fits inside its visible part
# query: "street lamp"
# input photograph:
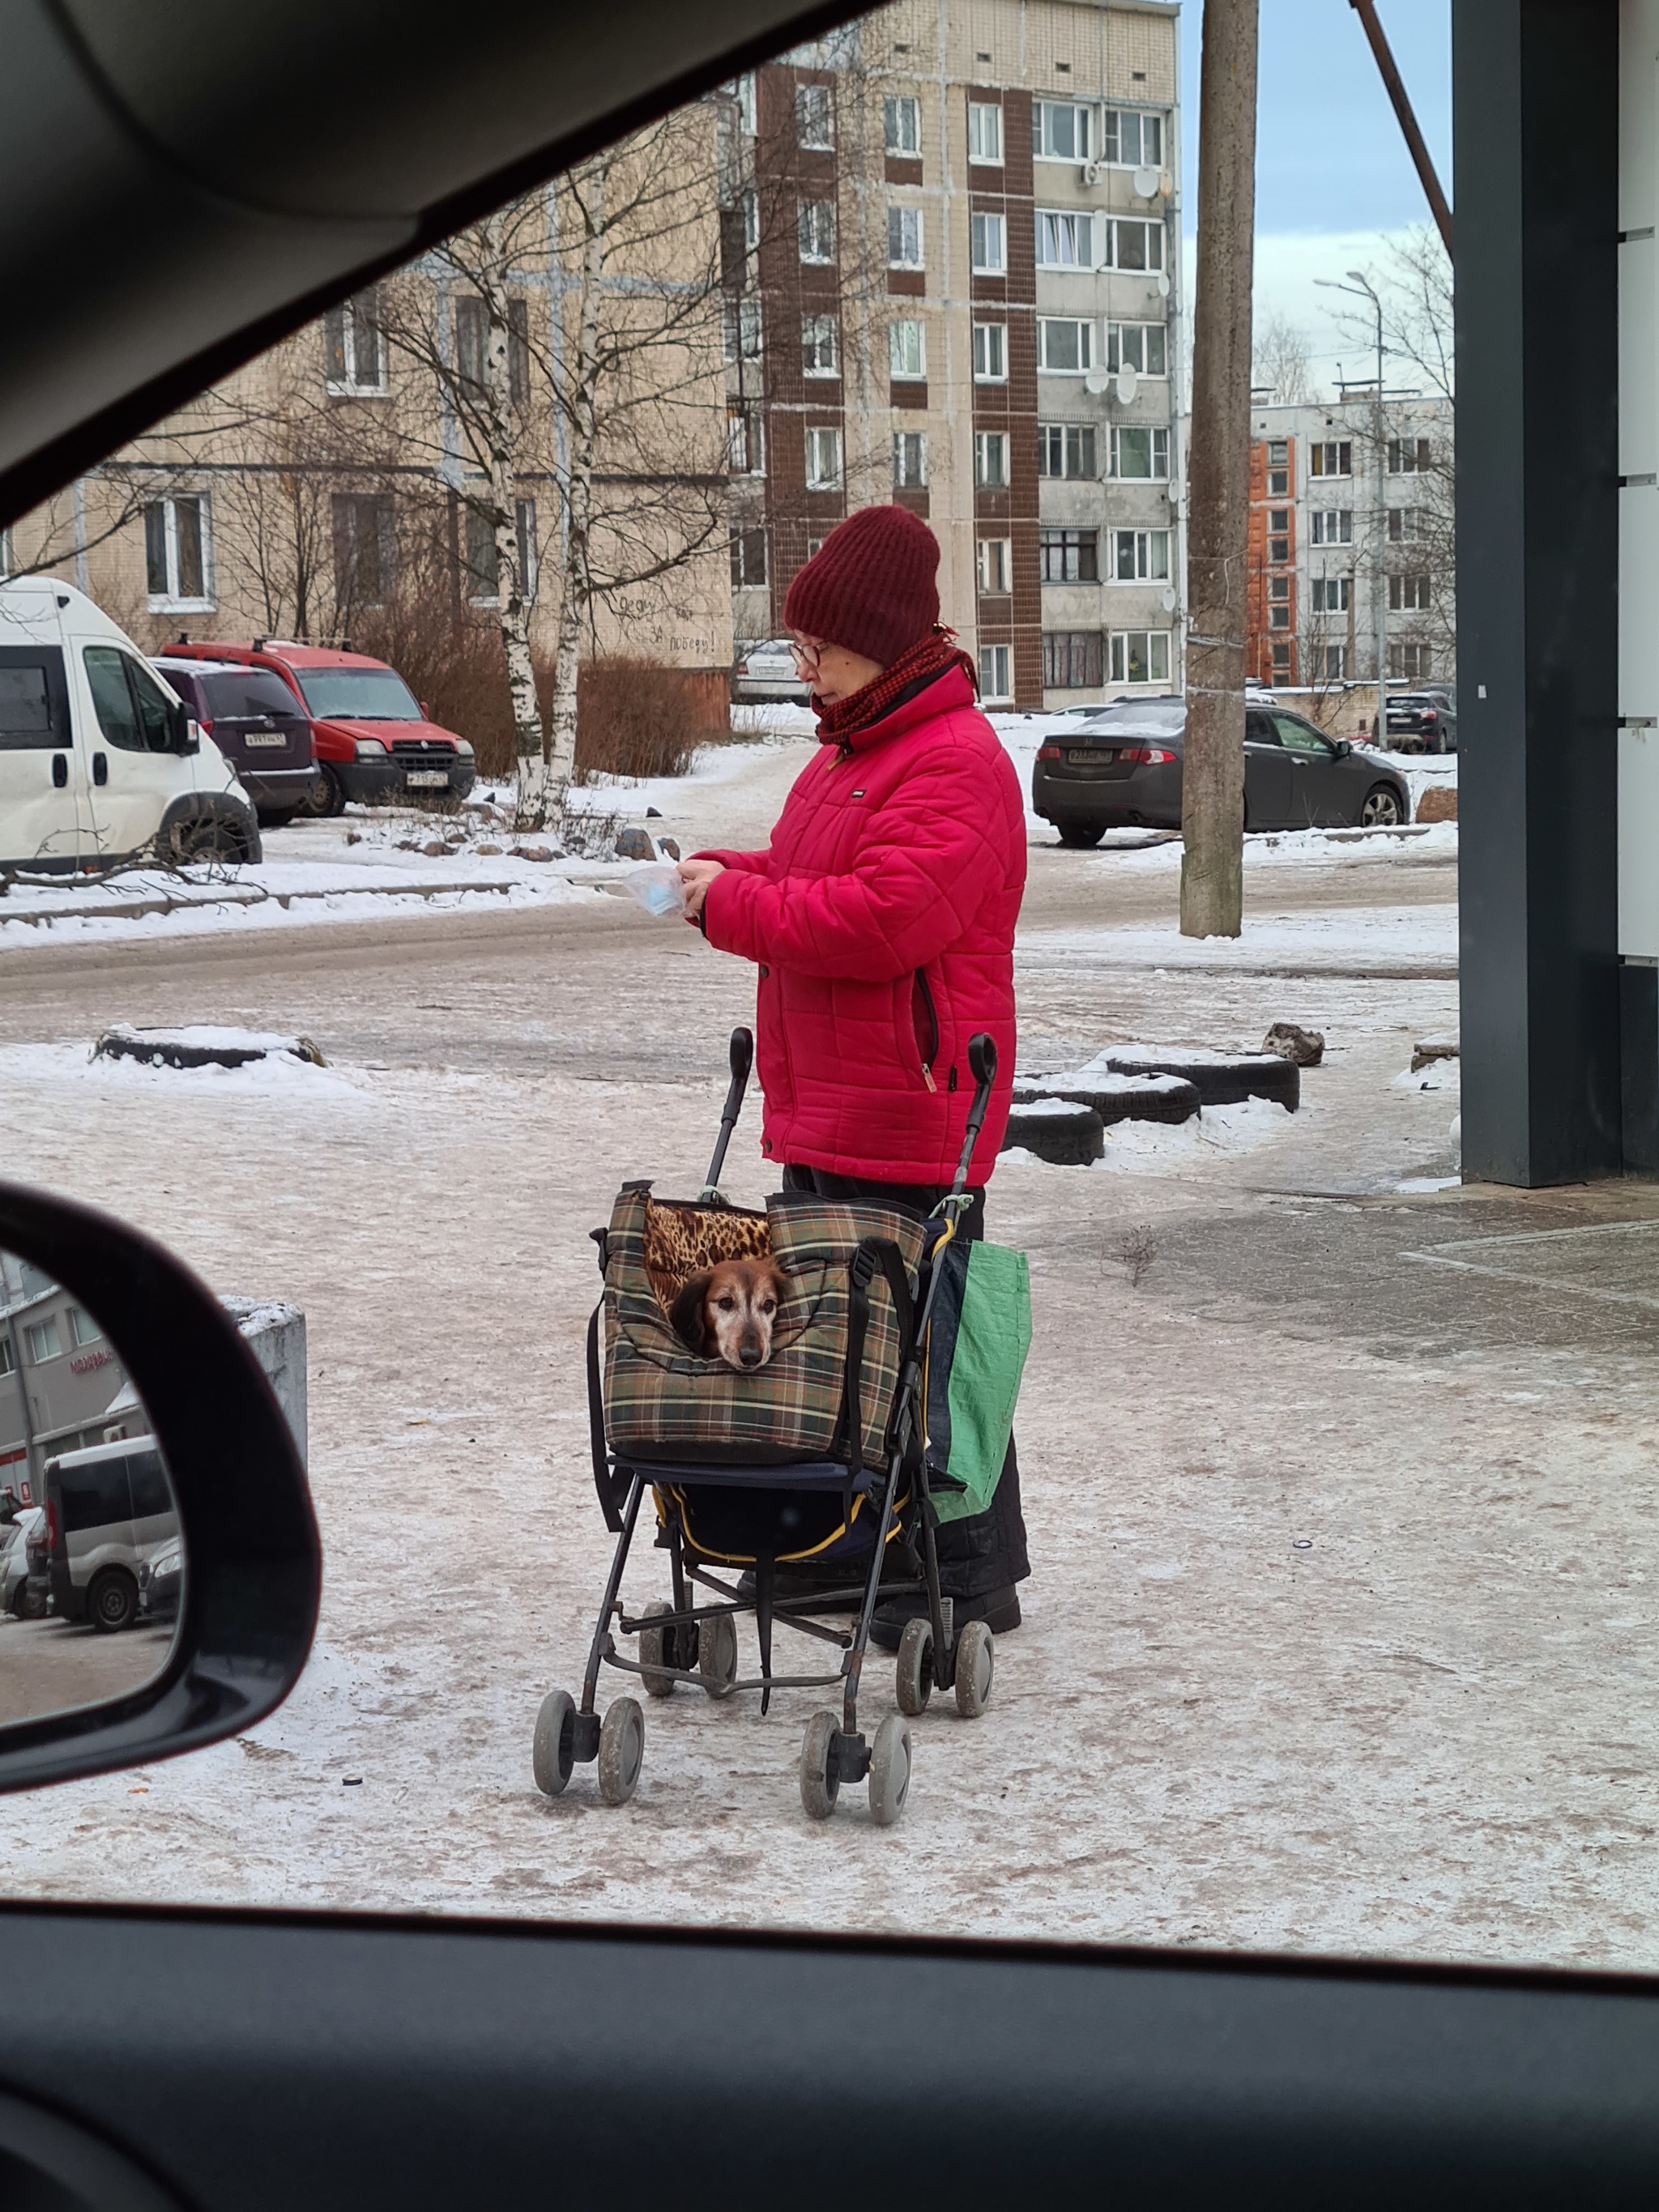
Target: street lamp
(1361, 289)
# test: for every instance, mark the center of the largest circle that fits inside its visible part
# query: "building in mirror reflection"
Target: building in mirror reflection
(63, 1386)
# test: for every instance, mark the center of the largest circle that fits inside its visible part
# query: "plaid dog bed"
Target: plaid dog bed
(663, 1402)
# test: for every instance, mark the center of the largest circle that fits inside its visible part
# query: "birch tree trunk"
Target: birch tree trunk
(1212, 771)
(575, 609)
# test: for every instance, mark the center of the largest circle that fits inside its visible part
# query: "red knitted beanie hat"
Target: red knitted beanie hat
(871, 586)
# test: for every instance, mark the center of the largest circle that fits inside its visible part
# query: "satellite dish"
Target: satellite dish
(1096, 381)
(1145, 183)
(1127, 384)
(1166, 601)
(1162, 284)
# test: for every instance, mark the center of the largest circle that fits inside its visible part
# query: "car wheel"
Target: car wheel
(278, 821)
(211, 840)
(1381, 809)
(30, 1604)
(329, 797)
(1081, 836)
(112, 1600)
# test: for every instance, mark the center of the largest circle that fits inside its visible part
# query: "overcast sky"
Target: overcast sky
(1332, 176)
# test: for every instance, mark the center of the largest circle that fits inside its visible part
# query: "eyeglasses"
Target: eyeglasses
(805, 656)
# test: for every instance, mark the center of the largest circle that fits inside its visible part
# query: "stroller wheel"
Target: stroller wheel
(653, 1655)
(554, 1753)
(622, 1750)
(890, 1770)
(819, 1783)
(915, 1666)
(976, 1664)
(717, 1654)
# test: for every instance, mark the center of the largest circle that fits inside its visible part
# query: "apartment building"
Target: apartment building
(953, 274)
(1349, 503)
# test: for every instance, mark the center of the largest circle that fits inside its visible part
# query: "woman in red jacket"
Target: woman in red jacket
(881, 918)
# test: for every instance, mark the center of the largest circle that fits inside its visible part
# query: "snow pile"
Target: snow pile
(280, 1077)
(1420, 940)
(1157, 1148)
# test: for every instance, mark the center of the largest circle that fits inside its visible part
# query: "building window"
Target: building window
(1407, 457)
(909, 460)
(823, 460)
(1278, 484)
(903, 238)
(990, 353)
(815, 121)
(1279, 550)
(177, 552)
(818, 341)
(1066, 449)
(985, 132)
(1140, 556)
(473, 345)
(1130, 139)
(1132, 244)
(1064, 239)
(901, 124)
(745, 92)
(1333, 525)
(1408, 594)
(1142, 347)
(365, 548)
(1139, 450)
(1073, 659)
(907, 351)
(1278, 452)
(353, 345)
(745, 441)
(1332, 661)
(1330, 595)
(1065, 348)
(749, 208)
(1061, 131)
(1140, 656)
(1406, 524)
(1333, 457)
(8, 1363)
(1069, 556)
(743, 330)
(483, 567)
(43, 1340)
(818, 230)
(1282, 661)
(991, 459)
(996, 567)
(1413, 661)
(83, 1328)
(747, 558)
(995, 675)
(988, 234)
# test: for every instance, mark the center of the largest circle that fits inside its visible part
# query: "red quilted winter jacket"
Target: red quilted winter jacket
(882, 919)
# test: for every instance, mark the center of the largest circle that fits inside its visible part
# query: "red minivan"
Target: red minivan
(373, 740)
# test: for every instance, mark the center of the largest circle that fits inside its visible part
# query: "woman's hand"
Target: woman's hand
(696, 876)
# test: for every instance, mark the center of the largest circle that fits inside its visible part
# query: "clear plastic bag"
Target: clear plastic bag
(658, 888)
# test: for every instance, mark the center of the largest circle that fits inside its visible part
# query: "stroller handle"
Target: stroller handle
(743, 1059)
(982, 1061)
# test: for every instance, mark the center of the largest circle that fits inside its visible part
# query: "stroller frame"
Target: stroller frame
(696, 1643)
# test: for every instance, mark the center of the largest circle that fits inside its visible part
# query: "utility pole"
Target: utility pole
(1218, 506)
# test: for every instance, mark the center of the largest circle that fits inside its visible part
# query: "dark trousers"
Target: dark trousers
(985, 1552)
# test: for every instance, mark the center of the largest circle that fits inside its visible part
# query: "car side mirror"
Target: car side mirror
(186, 731)
(1343, 747)
(426, 711)
(166, 1403)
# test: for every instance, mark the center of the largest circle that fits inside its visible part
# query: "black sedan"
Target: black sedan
(1121, 767)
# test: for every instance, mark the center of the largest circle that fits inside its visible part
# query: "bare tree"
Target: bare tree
(1280, 359)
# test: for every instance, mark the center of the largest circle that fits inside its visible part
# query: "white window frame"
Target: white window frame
(821, 442)
(815, 220)
(1326, 525)
(1317, 451)
(1336, 669)
(1117, 351)
(907, 443)
(1111, 138)
(745, 440)
(1418, 600)
(815, 109)
(996, 671)
(171, 600)
(1084, 332)
(741, 538)
(911, 241)
(355, 325)
(819, 325)
(985, 443)
(1406, 525)
(1331, 595)
(744, 327)
(907, 344)
(1410, 457)
(995, 566)
(985, 124)
(38, 1333)
(744, 93)
(524, 515)
(1065, 475)
(1144, 556)
(1158, 437)
(901, 124)
(1416, 651)
(1083, 129)
(1153, 228)
(1064, 238)
(1118, 656)
(988, 234)
(990, 353)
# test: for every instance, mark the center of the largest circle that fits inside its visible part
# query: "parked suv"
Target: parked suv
(259, 726)
(1422, 721)
(373, 740)
(109, 1513)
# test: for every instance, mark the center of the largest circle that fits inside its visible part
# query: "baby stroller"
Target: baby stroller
(819, 1478)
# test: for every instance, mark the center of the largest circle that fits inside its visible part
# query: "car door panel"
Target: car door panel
(1267, 773)
(134, 772)
(43, 799)
(1318, 796)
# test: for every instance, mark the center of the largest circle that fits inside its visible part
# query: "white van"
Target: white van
(99, 762)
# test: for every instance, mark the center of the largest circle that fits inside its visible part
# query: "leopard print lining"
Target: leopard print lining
(682, 1240)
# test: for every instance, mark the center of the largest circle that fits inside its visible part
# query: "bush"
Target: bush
(637, 718)
(450, 656)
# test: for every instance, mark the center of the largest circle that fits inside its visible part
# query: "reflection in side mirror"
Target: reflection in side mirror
(91, 1552)
(1343, 748)
(186, 731)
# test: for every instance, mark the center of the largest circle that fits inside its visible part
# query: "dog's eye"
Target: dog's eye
(726, 1305)
(769, 1305)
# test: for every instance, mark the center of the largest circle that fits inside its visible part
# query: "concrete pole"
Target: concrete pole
(1380, 566)
(1213, 774)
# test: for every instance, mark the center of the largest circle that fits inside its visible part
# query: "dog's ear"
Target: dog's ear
(688, 1317)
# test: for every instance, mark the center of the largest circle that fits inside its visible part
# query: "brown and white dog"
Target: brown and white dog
(727, 1313)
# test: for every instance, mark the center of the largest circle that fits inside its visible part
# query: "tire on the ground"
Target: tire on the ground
(975, 1669)
(914, 1681)
(552, 1752)
(1150, 1102)
(1222, 1082)
(1080, 836)
(112, 1601)
(1378, 802)
(890, 1770)
(1070, 1139)
(621, 1750)
(328, 799)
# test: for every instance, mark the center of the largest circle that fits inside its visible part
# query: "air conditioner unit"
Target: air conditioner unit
(1091, 173)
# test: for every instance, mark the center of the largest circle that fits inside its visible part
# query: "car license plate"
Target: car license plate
(1089, 755)
(1401, 723)
(264, 737)
(428, 778)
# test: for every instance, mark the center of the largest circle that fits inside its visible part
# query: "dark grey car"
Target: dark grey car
(1422, 721)
(1123, 767)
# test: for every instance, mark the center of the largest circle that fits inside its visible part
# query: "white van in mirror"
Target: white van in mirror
(98, 760)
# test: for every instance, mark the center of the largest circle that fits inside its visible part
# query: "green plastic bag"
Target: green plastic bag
(977, 1341)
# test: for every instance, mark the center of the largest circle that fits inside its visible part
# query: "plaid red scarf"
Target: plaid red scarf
(917, 667)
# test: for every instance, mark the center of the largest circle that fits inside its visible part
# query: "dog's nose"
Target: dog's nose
(751, 1355)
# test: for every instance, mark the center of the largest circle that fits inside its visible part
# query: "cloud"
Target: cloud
(1287, 265)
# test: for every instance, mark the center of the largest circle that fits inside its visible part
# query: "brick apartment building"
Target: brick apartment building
(953, 274)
